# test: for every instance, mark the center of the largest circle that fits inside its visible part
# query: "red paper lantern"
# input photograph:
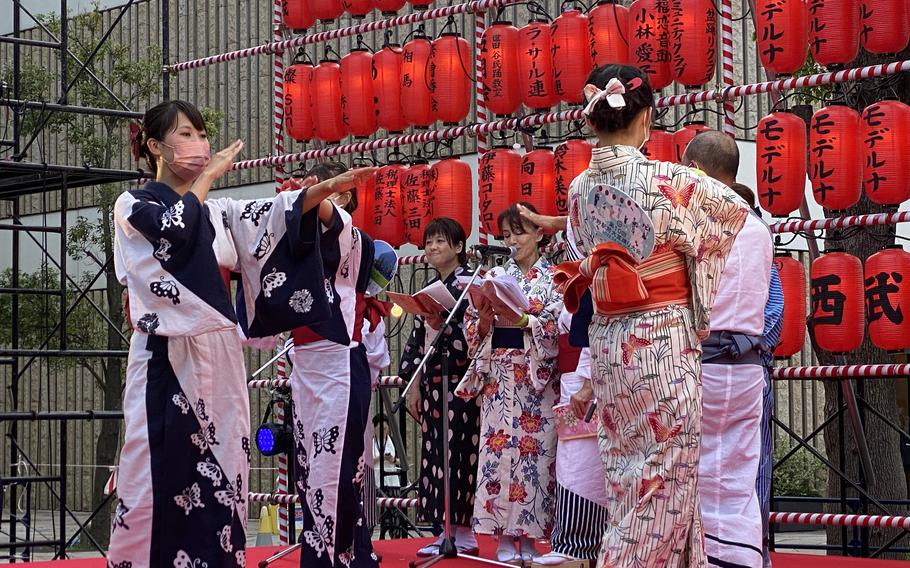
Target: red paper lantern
(782, 31)
(298, 101)
(535, 66)
(537, 184)
(572, 157)
(387, 87)
(326, 10)
(420, 4)
(451, 186)
(887, 280)
(660, 146)
(415, 188)
(572, 60)
(793, 329)
(498, 180)
(388, 224)
(327, 114)
(780, 164)
(357, 8)
(834, 27)
(836, 156)
(450, 61)
(362, 216)
(608, 30)
(885, 27)
(388, 6)
(837, 302)
(886, 170)
(357, 100)
(649, 40)
(684, 135)
(416, 97)
(297, 14)
(499, 68)
(693, 33)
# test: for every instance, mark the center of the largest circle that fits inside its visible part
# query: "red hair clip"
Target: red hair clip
(136, 140)
(633, 83)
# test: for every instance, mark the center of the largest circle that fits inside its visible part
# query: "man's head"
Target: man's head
(714, 153)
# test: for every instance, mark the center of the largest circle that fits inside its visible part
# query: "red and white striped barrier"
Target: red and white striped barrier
(282, 488)
(841, 372)
(384, 502)
(359, 29)
(726, 39)
(396, 503)
(838, 520)
(872, 220)
(386, 381)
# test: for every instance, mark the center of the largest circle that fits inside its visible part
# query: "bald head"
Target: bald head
(714, 153)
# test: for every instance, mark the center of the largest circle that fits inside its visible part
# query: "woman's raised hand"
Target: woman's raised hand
(352, 178)
(223, 160)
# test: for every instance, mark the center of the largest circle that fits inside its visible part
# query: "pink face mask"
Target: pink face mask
(190, 158)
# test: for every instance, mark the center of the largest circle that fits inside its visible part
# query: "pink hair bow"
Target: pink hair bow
(613, 93)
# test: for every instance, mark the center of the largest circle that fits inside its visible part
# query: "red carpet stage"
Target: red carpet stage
(397, 554)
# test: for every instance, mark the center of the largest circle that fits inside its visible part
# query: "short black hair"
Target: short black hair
(377, 418)
(452, 231)
(519, 225)
(745, 192)
(329, 169)
(716, 154)
(638, 96)
(160, 120)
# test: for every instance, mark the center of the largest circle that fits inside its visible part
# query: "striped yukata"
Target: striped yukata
(646, 357)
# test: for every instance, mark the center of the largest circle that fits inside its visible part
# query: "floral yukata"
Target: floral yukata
(646, 356)
(516, 480)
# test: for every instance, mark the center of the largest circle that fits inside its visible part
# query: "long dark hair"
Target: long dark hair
(161, 120)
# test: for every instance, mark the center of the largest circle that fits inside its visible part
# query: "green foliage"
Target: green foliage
(801, 475)
(811, 95)
(212, 118)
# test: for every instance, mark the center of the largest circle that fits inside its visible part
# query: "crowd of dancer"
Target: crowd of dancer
(624, 416)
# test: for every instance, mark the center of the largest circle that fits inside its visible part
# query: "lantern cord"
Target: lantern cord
(619, 27)
(449, 22)
(795, 94)
(329, 50)
(387, 38)
(695, 111)
(575, 3)
(535, 9)
(360, 43)
(301, 57)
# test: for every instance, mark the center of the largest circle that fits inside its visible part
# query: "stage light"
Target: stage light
(273, 438)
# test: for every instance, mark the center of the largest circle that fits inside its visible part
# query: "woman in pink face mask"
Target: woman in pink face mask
(185, 460)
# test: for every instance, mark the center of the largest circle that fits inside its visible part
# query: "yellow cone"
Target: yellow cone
(264, 536)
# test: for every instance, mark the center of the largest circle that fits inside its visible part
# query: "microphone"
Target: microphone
(481, 251)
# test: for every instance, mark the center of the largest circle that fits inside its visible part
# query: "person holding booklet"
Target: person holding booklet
(513, 369)
(444, 244)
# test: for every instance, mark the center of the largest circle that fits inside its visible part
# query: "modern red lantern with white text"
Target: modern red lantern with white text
(693, 41)
(836, 156)
(793, 329)
(780, 162)
(886, 169)
(498, 181)
(836, 293)
(887, 283)
(571, 49)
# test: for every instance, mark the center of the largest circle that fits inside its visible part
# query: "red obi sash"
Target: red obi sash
(567, 360)
(370, 309)
(621, 286)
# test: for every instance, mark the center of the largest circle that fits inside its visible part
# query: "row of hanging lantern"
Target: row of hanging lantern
(392, 89)
(848, 152)
(844, 296)
(665, 146)
(831, 30)
(302, 14)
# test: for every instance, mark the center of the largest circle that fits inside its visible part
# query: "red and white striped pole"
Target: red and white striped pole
(480, 111)
(283, 510)
(726, 35)
(278, 76)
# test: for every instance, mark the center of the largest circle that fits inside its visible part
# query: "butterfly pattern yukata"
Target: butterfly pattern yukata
(646, 366)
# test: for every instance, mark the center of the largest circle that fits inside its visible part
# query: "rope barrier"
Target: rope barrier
(871, 220)
(384, 502)
(841, 371)
(838, 520)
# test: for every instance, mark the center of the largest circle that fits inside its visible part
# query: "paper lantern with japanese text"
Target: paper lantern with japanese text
(887, 280)
(834, 27)
(415, 187)
(327, 115)
(326, 10)
(538, 180)
(498, 185)
(649, 40)
(886, 169)
(452, 187)
(885, 27)
(836, 156)
(535, 66)
(684, 135)
(693, 41)
(298, 102)
(387, 87)
(357, 100)
(793, 328)
(608, 30)
(388, 6)
(296, 14)
(571, 50)
(416, 98)
(450, 61)
(499, 68)
(572, 157)
(780, 162)
(836, 294)
(782, 32)
(388, 222)
(357, 8)
(420, 4)
(660, 146)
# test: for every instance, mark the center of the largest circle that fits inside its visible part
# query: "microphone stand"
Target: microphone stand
(447, 548)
